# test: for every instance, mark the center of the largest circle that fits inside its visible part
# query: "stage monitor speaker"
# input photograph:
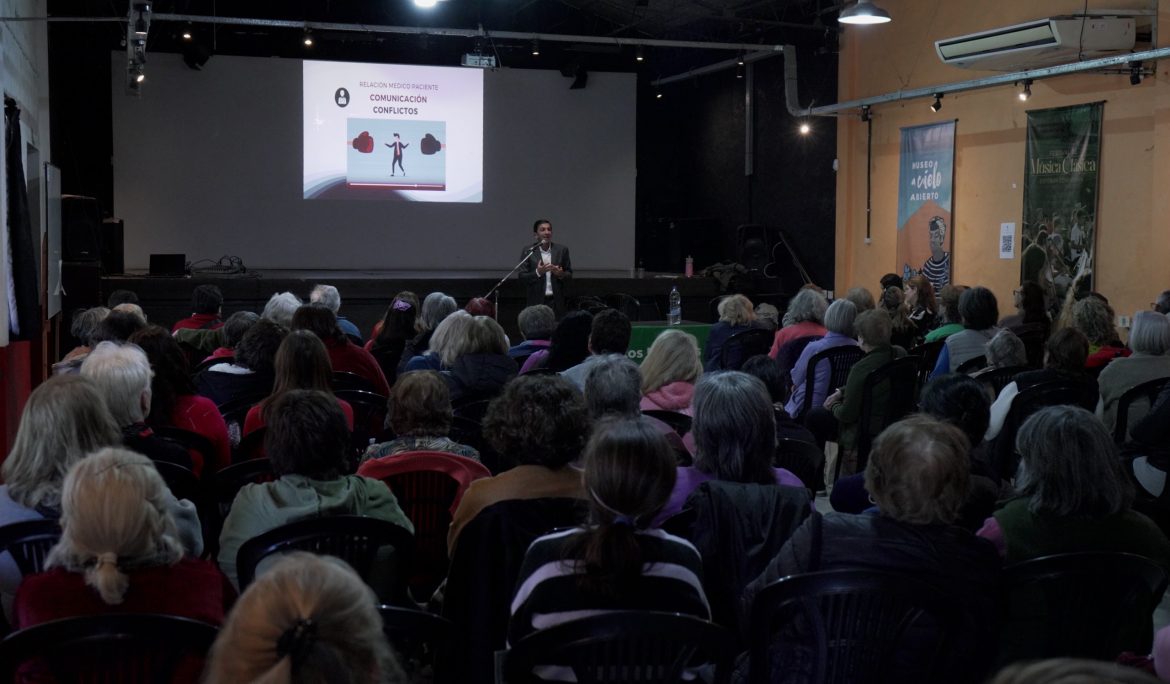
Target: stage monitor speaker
(752, 246)
(113, 251)
(81, 238)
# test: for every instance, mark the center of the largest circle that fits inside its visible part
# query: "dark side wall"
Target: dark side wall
(691, 171)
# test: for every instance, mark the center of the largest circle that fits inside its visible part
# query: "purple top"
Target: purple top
(690, 478)
(822, 372)
(533, 361)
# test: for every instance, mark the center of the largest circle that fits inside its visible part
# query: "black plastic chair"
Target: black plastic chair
(1033, 335)
(472, 410)
(369, 417)
(927, 354)
(419, 638)
(997, 378)
(624, 646)
(1029, 401)
(251, 447)
(470, 432)
(840, 359)
(803, 460)
(127, 648)
(343, 380)
(235, 412)
(972, 364)
(679, 422)
(1149, 391)
(28, 543)
(789, 352)
(744, 345)
(191, 441)
(229, 481)
(354, 539)
(1081, 605)
(182, 482)
(901, 377)
(851, 625)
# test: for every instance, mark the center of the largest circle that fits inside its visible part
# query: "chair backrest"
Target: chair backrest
(1029, 401)
(343, 380)
(229, 481)
(972, 364)
(369, 417)
(998, 378)
(898, 380)
(419, 638)
(29, 542)
(234, 413)
(182, 482)
(1082, 605)
(802, 459)
(624, 646)
(927, 354)
(111, 648)
(200, 448)
(743, 345)
(1033, 335)
(470, 432)
(789, 353)
(251, 447)
(840, 359)
(853, 624)
(429, 486)
(1149, 391)
(679, 422)
(472, 410)
(355, 539)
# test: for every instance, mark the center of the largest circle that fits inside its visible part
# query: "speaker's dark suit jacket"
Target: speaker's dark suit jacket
(534, 282)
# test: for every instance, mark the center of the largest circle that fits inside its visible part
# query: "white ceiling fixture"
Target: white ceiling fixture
(862, 13)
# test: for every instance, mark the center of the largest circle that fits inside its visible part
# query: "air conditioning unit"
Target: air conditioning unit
(1044, 42)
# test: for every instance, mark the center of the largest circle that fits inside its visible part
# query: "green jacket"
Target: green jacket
(943, 331)
(1030, 535)
(848, 412)
(262, 507)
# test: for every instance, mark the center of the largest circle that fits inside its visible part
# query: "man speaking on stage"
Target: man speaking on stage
(546, 268)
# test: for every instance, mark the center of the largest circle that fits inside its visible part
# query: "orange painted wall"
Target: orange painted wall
(1133, 229)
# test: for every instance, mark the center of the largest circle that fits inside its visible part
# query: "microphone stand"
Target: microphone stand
(496, 290)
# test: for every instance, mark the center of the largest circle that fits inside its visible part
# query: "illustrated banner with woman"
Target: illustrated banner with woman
(1060, 199)
(926, 178)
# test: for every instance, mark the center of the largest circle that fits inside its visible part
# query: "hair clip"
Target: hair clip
(297, 641)
(401, 305)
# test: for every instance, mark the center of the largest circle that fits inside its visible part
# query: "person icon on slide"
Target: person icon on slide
(397, 146)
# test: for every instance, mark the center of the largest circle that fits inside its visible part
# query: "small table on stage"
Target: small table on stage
(643, 334)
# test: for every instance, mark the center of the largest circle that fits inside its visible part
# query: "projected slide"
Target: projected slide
(392, 132)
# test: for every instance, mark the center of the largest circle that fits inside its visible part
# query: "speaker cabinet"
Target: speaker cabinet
(81, 238)
(113, 251)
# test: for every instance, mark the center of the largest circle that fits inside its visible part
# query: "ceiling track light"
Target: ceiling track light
(187, 35)
(739, 59)
(862, 13)
(142, 21)
(937, 104)
(658, 94)
(1026, 91)
(1135, 73)
(638, 54)
(308, 38)
(535, 47)
(805, 128)
(739, 71)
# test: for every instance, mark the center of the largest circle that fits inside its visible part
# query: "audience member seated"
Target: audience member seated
(476, 364)
(64, 420)
(768, 316)
(121, 297)
(918, 476)
(83, 328)
(480, 306)
(903, 331)
(949, 320)
(1005, 350)
(735, 316)
(568, 346)
(450, 331)
(301, 364)
(206, 302)
(122, 375)
(1094, 317)
(280, 308)
(132, 309)
(397, 328)
(173, 402)
(307, 442)
(419, 413)
(734, 435)
(806, 311)
(613, 387)
(541, 424)
(406, 296)
(434, 310)
(669, 371)
(840, 319)
(618, 562)
(837, 419)
(760, 366)
(1162, 306)
(1030, 308)
(117, 326)
(1064, 360)
(119, 551)
(536, 324)
(921, 303)
(307, 619)
(233, 330)
(1148, 451)
(331, 299)
(861, 298)
(1070, 670)
(979, 312)
(344, 355)
(891, 280)
(608, 335)
(1071, 494)
(1149, 338)
(961, 401)
(251, 373)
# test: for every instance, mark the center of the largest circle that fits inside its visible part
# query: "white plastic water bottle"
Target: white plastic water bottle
(675, 315)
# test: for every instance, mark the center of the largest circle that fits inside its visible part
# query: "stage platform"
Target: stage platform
(366, 294)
